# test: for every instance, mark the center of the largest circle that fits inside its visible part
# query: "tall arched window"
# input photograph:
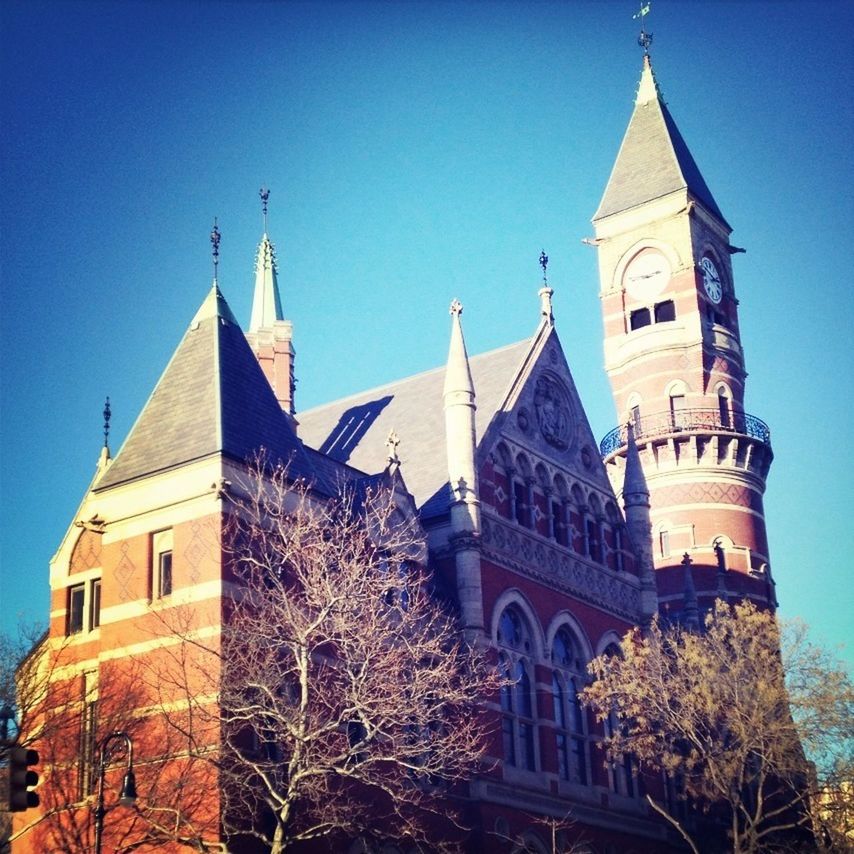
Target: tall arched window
(518, 727)
(570, 725)
(724, 410)
(622, 772)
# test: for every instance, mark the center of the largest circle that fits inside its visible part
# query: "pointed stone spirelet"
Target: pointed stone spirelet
(690, 609)
(457, 374)
(634, 482)
(266, 301)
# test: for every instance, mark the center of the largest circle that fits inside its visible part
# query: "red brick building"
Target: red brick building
(552, 552)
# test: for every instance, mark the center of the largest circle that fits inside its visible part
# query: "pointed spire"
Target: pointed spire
(266, 301)
(690, 608)
(648, 89)
(634, 480)
(457, 374)
(639, 523)
(653, 161)
(214, 305)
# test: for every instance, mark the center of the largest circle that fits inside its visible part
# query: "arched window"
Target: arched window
(622, 772)
(570, 726)
(724, 410)
(518, 728)
(677, 393)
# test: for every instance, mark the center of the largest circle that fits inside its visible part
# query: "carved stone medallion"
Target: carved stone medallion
(554, 415)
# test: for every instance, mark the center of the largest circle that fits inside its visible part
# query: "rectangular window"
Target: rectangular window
(87, 757)
(526, 736)
(579, 761)
(160, 576)
(639, 318)
(164, 574)
(665, 543)
(665, 311)
(562, 757)
(636, 421)
(95, 604)
(678, 405)
(593, 545)
(508, 740)
(520, 494)
(76, 602)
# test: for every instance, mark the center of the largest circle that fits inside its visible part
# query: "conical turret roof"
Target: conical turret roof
(653, 160)
(213, 398)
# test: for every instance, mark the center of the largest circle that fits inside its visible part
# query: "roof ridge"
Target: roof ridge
(411, 377)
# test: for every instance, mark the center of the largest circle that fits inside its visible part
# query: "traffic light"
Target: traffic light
(22, 779)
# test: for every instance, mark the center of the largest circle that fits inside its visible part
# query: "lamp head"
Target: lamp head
(127, 797)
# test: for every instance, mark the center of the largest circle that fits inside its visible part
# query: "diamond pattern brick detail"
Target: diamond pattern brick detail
(124, 573)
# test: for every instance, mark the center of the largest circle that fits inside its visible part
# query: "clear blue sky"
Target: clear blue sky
(416, 152)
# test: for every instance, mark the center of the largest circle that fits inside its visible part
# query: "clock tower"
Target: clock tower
(674, 356)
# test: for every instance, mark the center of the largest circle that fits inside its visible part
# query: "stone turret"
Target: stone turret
(461, 442)
(637, 512)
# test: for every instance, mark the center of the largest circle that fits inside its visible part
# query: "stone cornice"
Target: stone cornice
(509, 545)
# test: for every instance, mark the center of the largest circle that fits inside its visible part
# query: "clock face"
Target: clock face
(647, 275)
(711, 280)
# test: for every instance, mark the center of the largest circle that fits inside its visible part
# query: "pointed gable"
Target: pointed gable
(212, 398)
(354, 430)
(653, 160)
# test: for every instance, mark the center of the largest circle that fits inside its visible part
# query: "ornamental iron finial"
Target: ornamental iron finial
(215, 238)
(645, 38)
(544, 263)
(456, 307)
(107, 415)
(264, 193)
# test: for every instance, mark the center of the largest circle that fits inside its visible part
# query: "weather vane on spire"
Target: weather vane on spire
(215, 238)
(645, 38)
(264, 193)
(544, 263)
(107, 415)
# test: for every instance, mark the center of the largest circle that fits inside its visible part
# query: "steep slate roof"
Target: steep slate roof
(653, 159)
(212, 398)
(354, 429)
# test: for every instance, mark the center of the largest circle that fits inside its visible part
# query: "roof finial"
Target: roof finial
(546, 292)
(215, 238)
(645, 38)
(107, 415)
(391, 443)
(456, 307)
(264, 193)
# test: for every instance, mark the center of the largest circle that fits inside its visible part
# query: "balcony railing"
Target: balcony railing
(688, 421)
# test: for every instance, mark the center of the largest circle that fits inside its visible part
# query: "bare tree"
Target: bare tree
(713, 711)
(348, 702)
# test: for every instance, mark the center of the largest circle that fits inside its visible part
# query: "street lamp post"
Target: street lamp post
(127, 796)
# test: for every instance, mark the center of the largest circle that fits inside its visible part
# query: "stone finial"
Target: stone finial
(456, 308)
(391, 442)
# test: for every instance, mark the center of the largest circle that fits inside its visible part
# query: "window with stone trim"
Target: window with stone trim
(570, 724)
(518, 724)
(87, 753)
(76, 609)
(161, 580)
